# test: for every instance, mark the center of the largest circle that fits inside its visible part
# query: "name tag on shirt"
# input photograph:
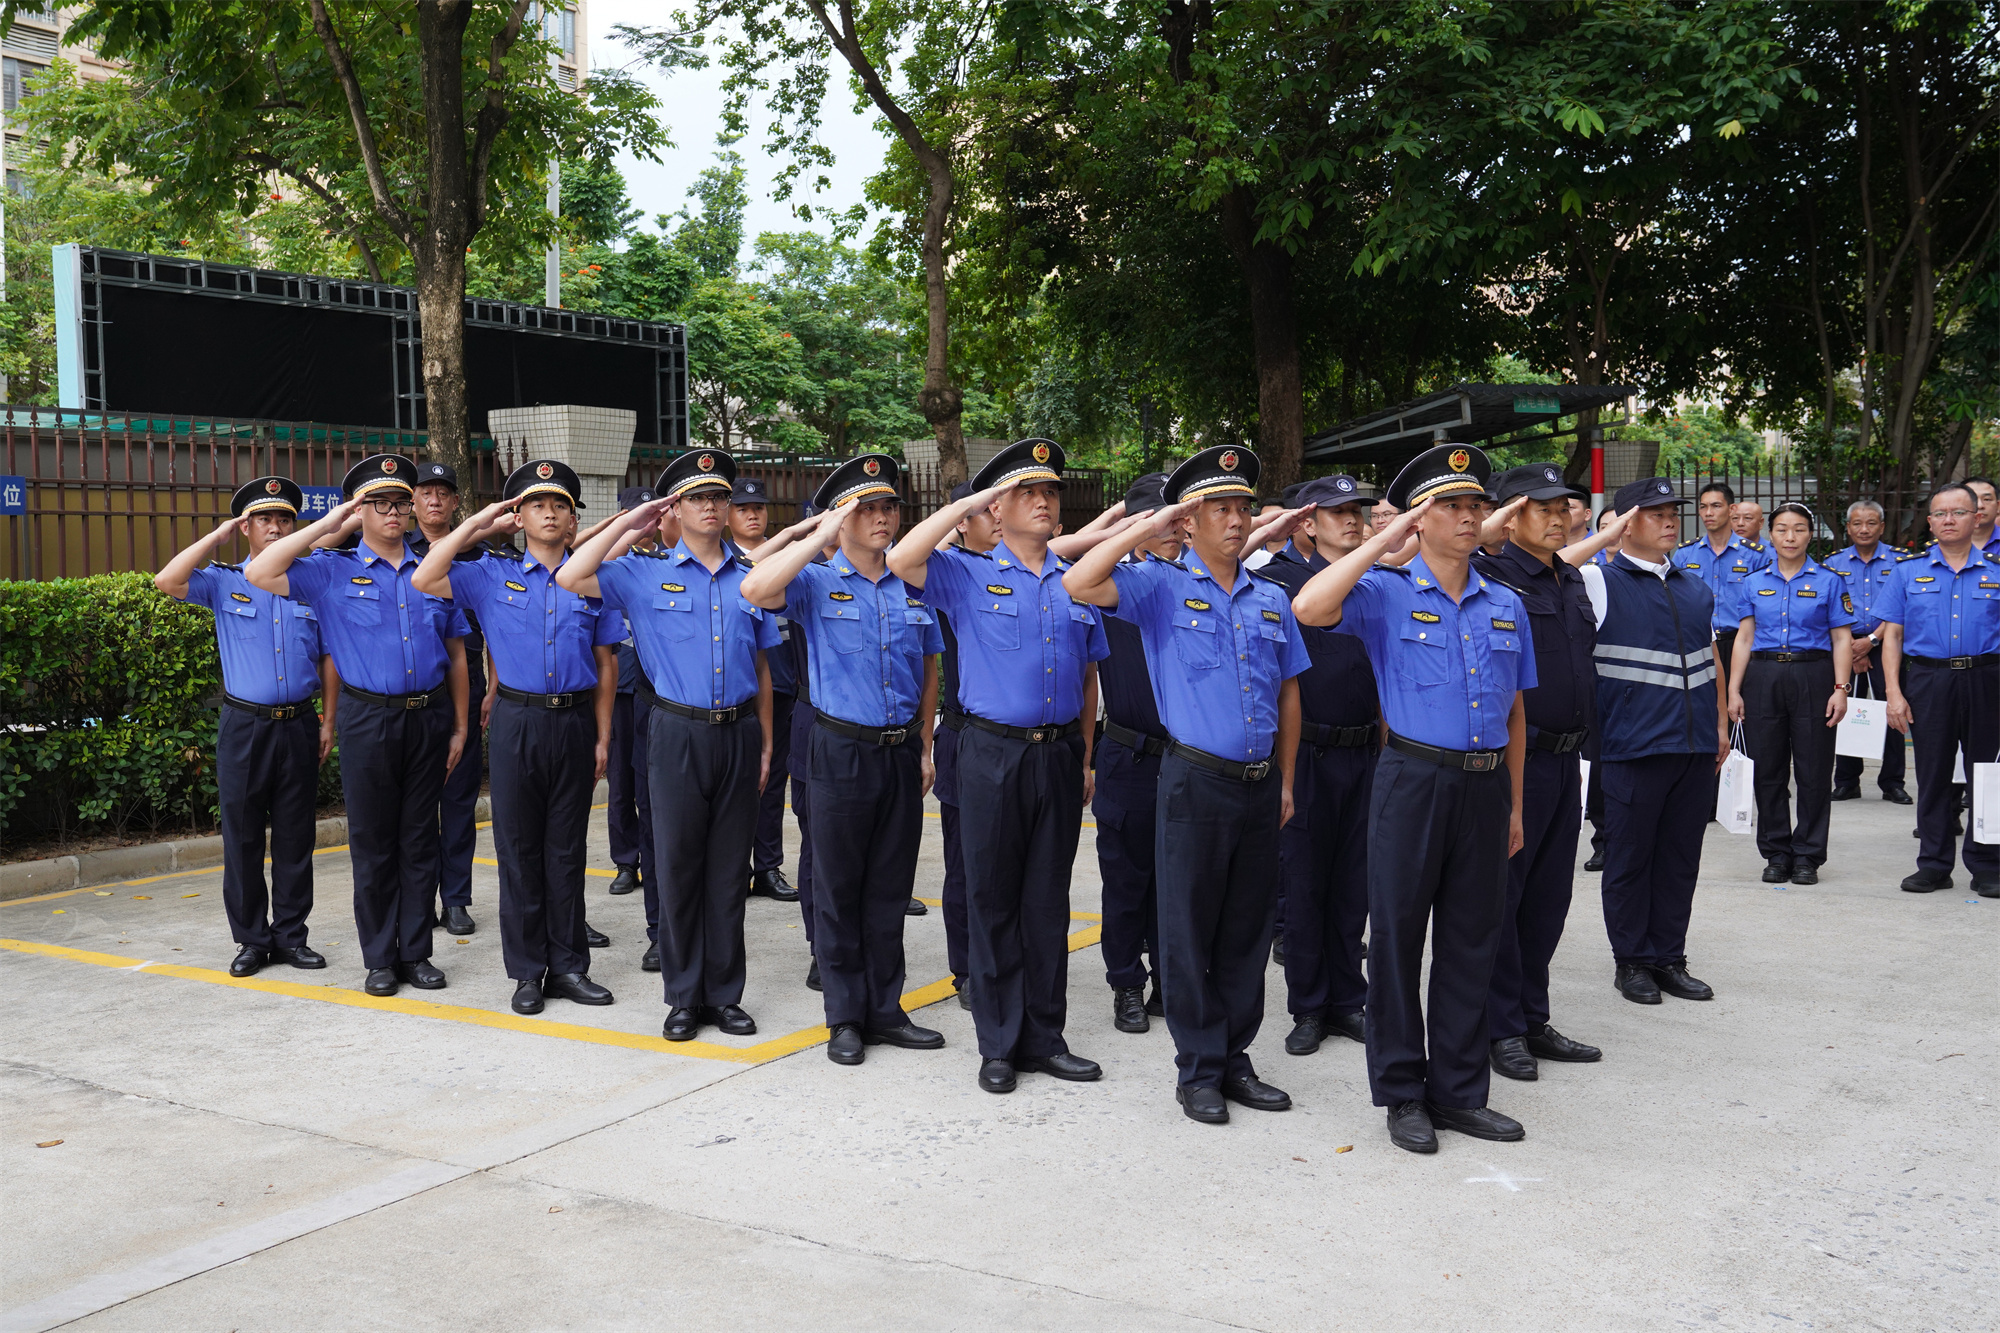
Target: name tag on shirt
(1808, 592)
(1503, 624)
(1274, 617)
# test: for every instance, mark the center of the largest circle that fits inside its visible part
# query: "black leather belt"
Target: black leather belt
(854, 731)
(1955, 663)
(1809, 655)
(1338, 738)
(1472, 761)
(1561, 742)
(273, 712)
(715, 717)
(424, 700)
(570, 700)
(951, 719)
(1138, 742)
(1254, 771)
(1055, 731)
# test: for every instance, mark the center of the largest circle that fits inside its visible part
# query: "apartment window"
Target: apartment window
(559, 27)
(14, 76)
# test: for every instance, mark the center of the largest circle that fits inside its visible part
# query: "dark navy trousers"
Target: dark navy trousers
(1948, 710)
(1125, 807)
(868, 809)
(392, 774)
(544, 769)
(267, 777)
(1539, 879)
(623, 771)
(1020, 814)
(1437, 862)
(1216, 854)
(768, 848)
(1324, 857)
(944, 760)
(1847, 767)
(1656, 812)
(1785, 730)
(458, 820)
(703, 821)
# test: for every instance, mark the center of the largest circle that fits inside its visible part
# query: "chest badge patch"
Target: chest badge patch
(517, 587)
(1927, 578)
(841, 596)
(999, 591)
(1274, 617)
(244, 596)
(913, 601)
(358, 579)
(1426, 617)
(1767, 592)
(1195, 604)
(1808, 592)
(673, 587)
(1502, 624)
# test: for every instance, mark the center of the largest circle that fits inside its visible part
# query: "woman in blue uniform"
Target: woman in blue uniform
(1788, 687)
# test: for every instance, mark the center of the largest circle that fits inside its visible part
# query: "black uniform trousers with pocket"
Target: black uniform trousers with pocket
(703, 779)
(1785, 731)
(544, 762)
(1216, 854)
(1020, 815)
(944, 759)
(1324, 851)
(1950, 710)
(458, 815)
(1125, 806)
(1437, 862)
(1539, 881)
(622, 770)
(868, 811)
(392, 774)
(267, 778)
(768, 847)
(1657, 809)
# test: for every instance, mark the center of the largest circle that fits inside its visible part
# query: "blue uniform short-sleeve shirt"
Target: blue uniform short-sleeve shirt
(1798, 615)
(1944, 612)
(698, 639)
(540, 635)
(385, 636)
(269, 644)
(1023, 642)
(866, 642)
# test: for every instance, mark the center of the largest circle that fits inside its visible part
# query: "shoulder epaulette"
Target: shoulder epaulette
(1684, 545)
(224, 564)
(650, 555)
(1260, 574)
(1181, 565)
(1914, 555)
(1404, 570)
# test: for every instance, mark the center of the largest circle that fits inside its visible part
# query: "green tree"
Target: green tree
(713, 238)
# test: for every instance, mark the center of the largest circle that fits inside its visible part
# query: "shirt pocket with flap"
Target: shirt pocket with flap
(1423, 653)
(1197, 640)
(675, 614)
(998, 621)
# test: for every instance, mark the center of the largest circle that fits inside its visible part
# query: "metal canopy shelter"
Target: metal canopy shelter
(1463, 414)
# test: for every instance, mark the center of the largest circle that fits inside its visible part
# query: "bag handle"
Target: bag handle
(1736, 741)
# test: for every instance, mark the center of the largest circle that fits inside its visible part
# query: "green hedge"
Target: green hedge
(108, 696)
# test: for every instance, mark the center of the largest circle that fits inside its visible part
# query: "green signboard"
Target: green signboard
(1525, 404)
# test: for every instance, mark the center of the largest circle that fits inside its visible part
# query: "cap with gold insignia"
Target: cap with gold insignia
(1331, 492)
(1147, 493)
(1537, 481)
(1645, 494)
(1444, 470)
(869, 477)
(379, 472)
(695, 472)
(267, 495)
(544, 476)
(1226, 469)
(1032, 459)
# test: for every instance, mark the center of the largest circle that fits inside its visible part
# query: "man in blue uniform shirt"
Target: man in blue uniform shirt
(709, 739)
(557, 673)
(749, 520)
(1721, 559)
(1940, 646)
(269, 746)
(401, 659)
(872, 665)
(1866, 567)
(1451, 655)
(1027, 657)
(1223, 651)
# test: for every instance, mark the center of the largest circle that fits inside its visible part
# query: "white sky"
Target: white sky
(692, 110)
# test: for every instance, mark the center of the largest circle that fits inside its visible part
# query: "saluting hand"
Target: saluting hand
(1495, 526)
(647, 516)
(345, 517)
(228, 528)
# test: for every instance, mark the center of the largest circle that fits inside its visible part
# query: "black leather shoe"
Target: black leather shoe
(915, 908)
(649, 961)
(1154, 1004)
(1897, 796)
(594, 937)
(625, 881)
(1128, 1010)
(1986, 888)
(996, 1075)
(458, 921)
(1805, 872)
(1253, 1092)
(965, 996)
(1777, 869)
(1636, 984)
(381, 981)
(302, 957)
(1410, 1128)
(1063, 1065)
(1545, 1043)
(1481, 1122)
(1594, 864)
(845, 1046)
(909, 1036)
(527, 997)
(1203, 1104)
(812, 976)
(1510, 1059)
(1354, 1027)
(1850, 792)
(576, 987)
(682, 1024)
(1922, 883)
(1278, 948)
(731, 1019)
(1306, 1035)
(1673, 978)
(421, 974)
(248, 959)
(781, 889)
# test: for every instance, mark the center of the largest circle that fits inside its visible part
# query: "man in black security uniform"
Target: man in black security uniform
(1323, 850)
(749, 519)
(1559, 712)
(627, 814)
(1127, 760)
(269, 745)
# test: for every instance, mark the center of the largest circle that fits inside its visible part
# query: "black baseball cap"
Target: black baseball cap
(1645, 494)
(1537, 481)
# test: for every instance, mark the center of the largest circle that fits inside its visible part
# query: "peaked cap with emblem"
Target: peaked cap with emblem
(749, 491)
(267, 495)
(1645, 494)
(634, 496)
(1332, 492)
(1032, 459)
(544, 476)
(869, 477)
(379, 472)
(1445, 469)
(1147, 493)
(1226, 469)
(699, 470)
(1537, 481)
(437, 474)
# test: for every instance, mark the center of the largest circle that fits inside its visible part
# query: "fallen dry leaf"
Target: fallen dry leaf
(556, 1209)
(60, 910)
(142, 897)
(52, 1143)
(190, 895)
(1348, 1148)
(100, 893)
(1298, 1159)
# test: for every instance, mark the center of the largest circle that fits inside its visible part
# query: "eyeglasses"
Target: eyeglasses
(1951, 513)
(402, 508)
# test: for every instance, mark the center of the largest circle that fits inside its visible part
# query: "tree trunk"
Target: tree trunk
(445, 231)
(941, 401)
(1274, 332)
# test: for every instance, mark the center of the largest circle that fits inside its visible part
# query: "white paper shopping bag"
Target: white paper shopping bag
(1865, 729)
(1986, 803)
(1735, 799)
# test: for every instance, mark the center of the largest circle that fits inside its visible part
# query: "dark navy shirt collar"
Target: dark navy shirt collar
(1312, 560)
